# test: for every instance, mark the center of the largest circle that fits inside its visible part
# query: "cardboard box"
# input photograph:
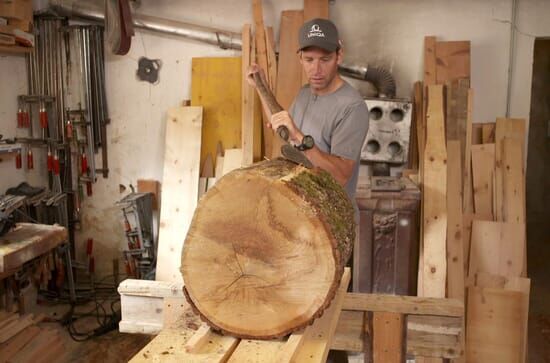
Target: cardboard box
(16, 9)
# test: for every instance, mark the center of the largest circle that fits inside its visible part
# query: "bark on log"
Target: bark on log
(266, 249)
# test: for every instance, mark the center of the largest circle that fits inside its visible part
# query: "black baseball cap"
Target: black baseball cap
(320, 33)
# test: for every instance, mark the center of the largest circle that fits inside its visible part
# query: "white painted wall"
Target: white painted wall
(389, 34)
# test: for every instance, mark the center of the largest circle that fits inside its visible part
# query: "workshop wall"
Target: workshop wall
(389, 34)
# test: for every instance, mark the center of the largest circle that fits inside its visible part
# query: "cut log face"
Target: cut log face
(266, 249)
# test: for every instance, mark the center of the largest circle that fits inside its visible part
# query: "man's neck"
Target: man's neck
(336, 83)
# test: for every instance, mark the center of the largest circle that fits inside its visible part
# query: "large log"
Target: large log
(267, 248)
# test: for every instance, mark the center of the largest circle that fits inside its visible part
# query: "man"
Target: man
(327, 108)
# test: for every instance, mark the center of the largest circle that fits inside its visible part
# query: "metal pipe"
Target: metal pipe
(92, 10)
(511, 55)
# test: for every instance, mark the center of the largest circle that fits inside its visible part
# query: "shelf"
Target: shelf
(9, 148)
(15, 49)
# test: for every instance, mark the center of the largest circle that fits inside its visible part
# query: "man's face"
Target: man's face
(320, 66)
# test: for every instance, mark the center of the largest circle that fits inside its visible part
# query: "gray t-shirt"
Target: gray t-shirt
(338, 122)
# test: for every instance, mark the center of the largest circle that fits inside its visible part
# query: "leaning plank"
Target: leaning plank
(403, 304)
(435, 194)
(388, 337)
(289, 71)
(514, 128)
(488, 133)
(180, 187)
(318, 337)
(429, 61)
(452, 61)
(247, 100)
(468, 197)
(315, 9)
(483, 168)
(496, 323)
(497, 248)
(232, 160)
(513, 181)
(261, 59)
(455, 249)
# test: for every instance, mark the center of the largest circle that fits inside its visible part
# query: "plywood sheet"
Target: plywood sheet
(216, 85)
(180, 187)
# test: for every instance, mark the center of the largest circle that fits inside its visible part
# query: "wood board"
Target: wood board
(388, 337)
(435, 198)
(483, 169)
(452, 61)
(514, 128)
(289, 67)
(495, 328)
(497, 248)
(221, 110)
(468, 195)
(455, 248)
(180, 185)
(247, 99)
(430, 67)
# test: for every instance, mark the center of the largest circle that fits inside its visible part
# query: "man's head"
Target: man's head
(320, 53)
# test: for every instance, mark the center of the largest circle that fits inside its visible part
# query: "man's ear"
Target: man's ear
(340, 54)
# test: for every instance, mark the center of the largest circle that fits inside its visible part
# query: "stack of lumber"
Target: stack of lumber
(473, 208)
(21, 340)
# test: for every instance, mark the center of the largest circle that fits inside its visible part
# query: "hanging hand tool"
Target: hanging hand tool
(18, 160)
(56, 164)
(288, 151)
(20, 118)
(43, 118)
(50, 160)
(69, 129)
(83, 163)
(30, 160)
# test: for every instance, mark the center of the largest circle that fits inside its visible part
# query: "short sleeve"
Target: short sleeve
(350, 132)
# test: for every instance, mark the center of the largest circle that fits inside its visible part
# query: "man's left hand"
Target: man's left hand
(283, 118)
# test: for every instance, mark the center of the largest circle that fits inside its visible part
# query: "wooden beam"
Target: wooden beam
(388, 338)
(435, 198)
(414, 305)
(180, 184)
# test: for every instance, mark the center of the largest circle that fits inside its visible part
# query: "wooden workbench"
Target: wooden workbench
(28, 241)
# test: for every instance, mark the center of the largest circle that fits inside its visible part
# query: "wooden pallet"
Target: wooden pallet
(184, 340)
